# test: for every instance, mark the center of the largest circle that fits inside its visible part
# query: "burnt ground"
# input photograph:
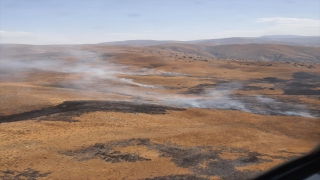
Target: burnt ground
(62, 85)
(104, 153)
(178, 177)
(252, 88)
(276, 106)
(199, 89)
(118, 157)
(200, 160)
(265, 105)
(302, 83)
(64, 111)
(28, 173)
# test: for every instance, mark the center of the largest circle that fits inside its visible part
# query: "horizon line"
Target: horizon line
(288, 36)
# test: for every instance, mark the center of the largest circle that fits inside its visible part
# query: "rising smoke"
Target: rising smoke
(91, 71)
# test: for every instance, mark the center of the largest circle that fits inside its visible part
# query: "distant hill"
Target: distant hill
(275, 39)
(278, 39)
(233, 40)
(139, 43)
(259, 52)
(294, 40)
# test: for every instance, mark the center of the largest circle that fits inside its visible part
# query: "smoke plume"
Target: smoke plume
(93, 72)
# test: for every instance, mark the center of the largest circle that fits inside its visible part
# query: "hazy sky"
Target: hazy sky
(94, 21)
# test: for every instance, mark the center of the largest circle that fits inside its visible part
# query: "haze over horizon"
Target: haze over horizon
(82, 22)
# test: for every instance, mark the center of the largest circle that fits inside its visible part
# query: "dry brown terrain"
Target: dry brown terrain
(158, 112)
(256, 52)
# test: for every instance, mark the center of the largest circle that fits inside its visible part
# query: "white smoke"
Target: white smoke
(90, 71)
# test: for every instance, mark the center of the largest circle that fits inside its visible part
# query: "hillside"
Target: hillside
(139, 43)
(257, 52)
(276, 39)
(286, 40)
(157, 112)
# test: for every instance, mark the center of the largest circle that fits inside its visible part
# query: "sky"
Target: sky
(96, 21)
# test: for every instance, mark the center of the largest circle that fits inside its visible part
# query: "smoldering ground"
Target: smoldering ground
(91, 71)
(200, 160)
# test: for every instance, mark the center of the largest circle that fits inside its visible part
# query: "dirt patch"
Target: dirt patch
(202, 161)
(75, 108)
(28, 173)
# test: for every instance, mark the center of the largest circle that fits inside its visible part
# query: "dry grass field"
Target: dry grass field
(156, 112)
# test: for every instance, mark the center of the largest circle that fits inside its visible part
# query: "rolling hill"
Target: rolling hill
(275, 39)
(258, 52)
